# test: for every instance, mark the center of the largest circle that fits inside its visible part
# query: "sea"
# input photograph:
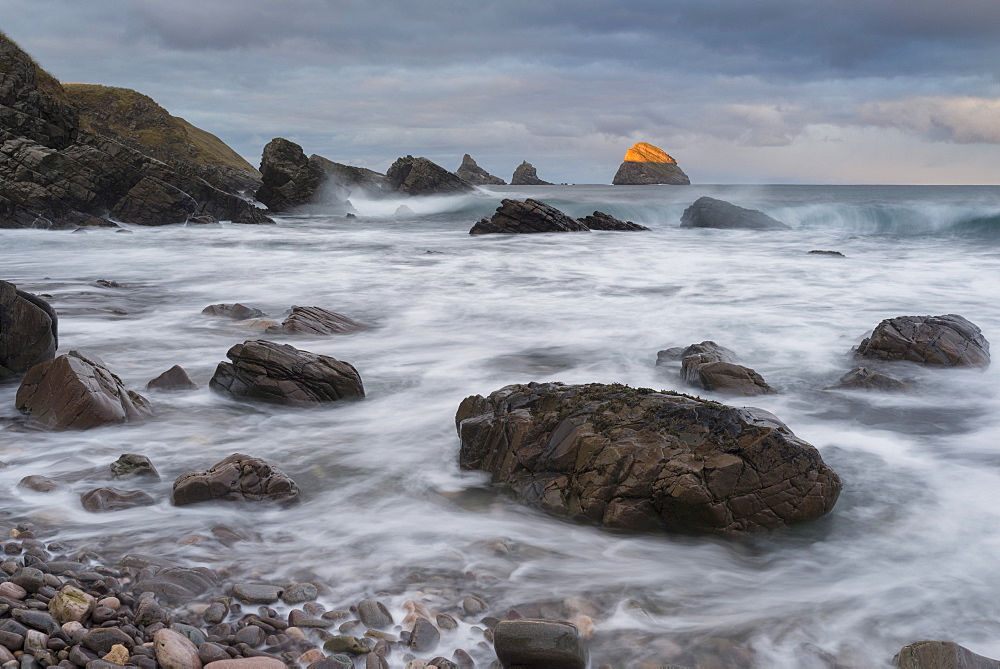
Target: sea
(910, 552)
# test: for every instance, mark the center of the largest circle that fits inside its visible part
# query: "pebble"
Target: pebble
(473, 606)
(251, 635)
(12, 590)
(343, 643)
(118, 654)
(247, 663)
(299, 593)
(254, 593)
(29, 578)
(425, 637)
(212, 652)
(112, 603)
(175, 651)
(374, 614)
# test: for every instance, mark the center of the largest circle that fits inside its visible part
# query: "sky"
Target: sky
(769, 91)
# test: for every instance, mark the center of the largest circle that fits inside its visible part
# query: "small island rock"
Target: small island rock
(174, 378)
(525, 175)
(316, 320)
(472, 173)
(862, 378)
(646, 164)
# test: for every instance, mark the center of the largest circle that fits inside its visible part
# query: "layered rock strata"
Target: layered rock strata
(471, 173)
(514, 216)
(317, 321)
(646, 164)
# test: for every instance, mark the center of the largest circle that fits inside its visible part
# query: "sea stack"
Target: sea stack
(525, 175)
(472, 173)
(646, 164)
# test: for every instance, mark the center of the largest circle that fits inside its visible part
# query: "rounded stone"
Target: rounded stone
(257, 593)
(299, 593)
(175, 651)
(539, 643)
(374, 614)
(72, 603)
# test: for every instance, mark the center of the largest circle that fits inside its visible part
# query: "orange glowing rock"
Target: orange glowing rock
(641, 152)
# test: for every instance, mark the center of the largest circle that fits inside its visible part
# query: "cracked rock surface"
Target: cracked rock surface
(316, 320)
(28, 331)
(514, 216)
(238, 477)
(948, 341)
(638, 459)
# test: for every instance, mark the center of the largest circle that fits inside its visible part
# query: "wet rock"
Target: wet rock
(247, 663)
(403, 211)
(174, 378)
(148, 611)
(71, 603)
(132, 464)
(374, 614)
(526, 175)
(420, 176)
(115, 499)
(251, 635)
(215, 613)
(237, 312)
(948, 341)
(196, 636)
(709, 371)
(238, 477)
(175, 585)
(601, 221)
(473, 606)
(472, 173)
(257, 593)
(834, 254)
(293, 181)
(28, 331)
(38, 483)
(175, 651)
(425, 637)
(539, 643)
(640, 459)
(77, 391)
(29, 578)
(117, 655)
(342, 643)
(646, 164)
(300, 592)
(39, 620)
(514, 216)
(707, 212)
(12, 590)
(315, 320)
(941, 655)
(212, 652)
(862, 378)
(281, 374)
(101, 639)
(680, 352)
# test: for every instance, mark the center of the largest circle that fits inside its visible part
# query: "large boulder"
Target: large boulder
(281, 374)
(514, 216)
(525, 175)
(77, 391)
(642, 460)
(316, 320)
(28, 331)
(601, 221)
(941, 655)
(238, 477)
(288, 180)
(471, 173)
(708, 212)
(948, 341)
(646, 164)
(420, 176)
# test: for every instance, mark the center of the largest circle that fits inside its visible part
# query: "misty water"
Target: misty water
(909, 552)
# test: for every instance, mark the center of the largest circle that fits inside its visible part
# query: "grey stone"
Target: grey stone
(862, 378)
(257, 593)
(708, 212)
(237, 312)
(132, 464)
(38, 483)
(28, 331)
(115, 499)
(425, 637)
(173, 379)
(941, 655)
(530, 216)
(195, 635)
(946, 341)
(316, 321)
(300, 592)
(343, 643)
(101, 639)
(374, 614)
(420, 176)
(601, 221)
(29, 578)
(539, 643)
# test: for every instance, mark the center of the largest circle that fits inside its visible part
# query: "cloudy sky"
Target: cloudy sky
(768, 91)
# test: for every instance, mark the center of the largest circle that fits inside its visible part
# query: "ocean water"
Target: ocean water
(909, 552)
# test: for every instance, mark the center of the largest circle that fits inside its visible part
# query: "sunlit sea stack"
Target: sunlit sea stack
(646, 164)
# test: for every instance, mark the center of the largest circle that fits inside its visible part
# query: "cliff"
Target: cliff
(646, 164)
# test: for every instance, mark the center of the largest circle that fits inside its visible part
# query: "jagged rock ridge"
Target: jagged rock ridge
(472, 173)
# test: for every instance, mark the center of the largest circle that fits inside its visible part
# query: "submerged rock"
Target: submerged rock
(174, 378)
(642, 460)
(238, 312)
(420, 176)
(238, 477)
(681, 352)
(646, 164)
(941, 655)
(947, 341)
(707, 212)
(712, 367)
(601, 221)
(862, 378)
(525, 175)
(832, 254)
(28, 331)
(472, 173)
(115, 499)
(77, 391)
(316, 320)
(133, 464)
(514, 216)
(539, 643)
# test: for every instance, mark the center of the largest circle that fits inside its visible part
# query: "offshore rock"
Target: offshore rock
(707, 212)
(643, 460)
(238, 477)
(539, 643)
(114, 499)
(420, 176)
(471, 173)
(646, 164)
(862, 378)
(77, 391)
(948, 341)
(681, 352)
(281, 374)
(133, 464)
(28, 331)
(514, 216)
(174, 378)
(941, 655)
(525, 175)
(288, 180)
(237, 312)
(316, 320)
(601, 221)
(711, 372)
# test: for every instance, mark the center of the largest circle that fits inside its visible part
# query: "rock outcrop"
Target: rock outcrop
(54, 173)
(28, 331)
(237, 312)
(317, 321)
(77, 391)
(420, 176)
(643, 460)
(281, 374)
(708, 212)
(525, 175)
(862, 378)
(941, 655)
(238, 477)
(174, 378)
(114, 499)
(646, 164)
(947, 341)
(514, 216)
(471, 173)
(712, 367)
(601, 221)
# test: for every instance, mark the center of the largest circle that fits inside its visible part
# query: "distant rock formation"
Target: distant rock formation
(525, 175)
(54, 173)
(646, 164)
(708, 212)
(472, 173)
(420, 176)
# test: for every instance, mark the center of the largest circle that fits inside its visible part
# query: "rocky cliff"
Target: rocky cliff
(646, 164)
(525, 175)
(420, 176)
(54, 173)
(472, 173)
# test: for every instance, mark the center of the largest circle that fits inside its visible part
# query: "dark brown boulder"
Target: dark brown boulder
(114, 499)
(316, 320)
(707, 212)
(77, 391)
(238, 312)
(471, 173)
(941, 655)
(525, 175)
(640, 459)
(529, 642)
(646, 164)
(601, 221)
(420, 176)
(948, 341)
(28, 331)
(711, 372)
(238, 477)
(862, 378)
(680, 352)
(514, 216)
(281, 374)
(133, 464)
(288, 180)
(174, 378)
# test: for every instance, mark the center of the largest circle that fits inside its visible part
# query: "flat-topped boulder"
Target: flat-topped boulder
(639, 459)
(708, 212)
(946, 341)
(601, 221)
(420, 176)
(529, 216)
(525, 175)
(28, 331)
(472, 173)
(646, 164)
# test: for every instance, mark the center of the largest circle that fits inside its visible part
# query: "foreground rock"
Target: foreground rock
(525, 175)
(941, 655)
(238, 477)
(514, 216)
(471, 173)
(420, 176)
(707, 212)
(539, 643)
(862, 378)
(947, 341)
(601, 221)
(281, 374)
(646, 164)
(28, 331)
(712, 367)
(77, 391)
(316, 320)
(643, 460)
